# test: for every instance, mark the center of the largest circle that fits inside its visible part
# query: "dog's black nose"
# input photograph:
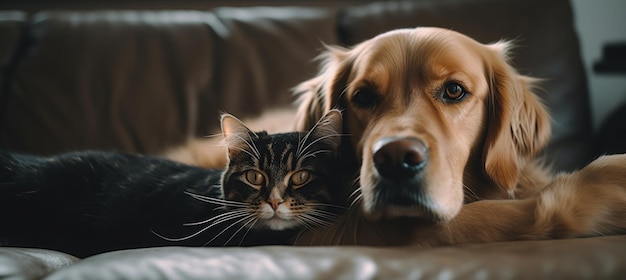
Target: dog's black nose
(399, 158)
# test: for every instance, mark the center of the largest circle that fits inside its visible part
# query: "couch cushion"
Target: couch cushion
(592, 258)
(547, 48)
(24, 263)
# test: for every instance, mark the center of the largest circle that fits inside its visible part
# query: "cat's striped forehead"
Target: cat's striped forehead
(284, 151)
(280, 150)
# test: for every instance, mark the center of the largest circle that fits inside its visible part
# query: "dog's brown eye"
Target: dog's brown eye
(453, 92)
(255, 179)
(365, 98)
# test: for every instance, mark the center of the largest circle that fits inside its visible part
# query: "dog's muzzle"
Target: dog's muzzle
(400, 164)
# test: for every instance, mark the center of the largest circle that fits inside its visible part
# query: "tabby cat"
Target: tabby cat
(85, 203)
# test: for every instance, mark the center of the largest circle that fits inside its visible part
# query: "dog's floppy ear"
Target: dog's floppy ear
(518, 124)
(320, 94)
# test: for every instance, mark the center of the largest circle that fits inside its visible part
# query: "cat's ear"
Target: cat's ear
(328, 129)
(237, 135)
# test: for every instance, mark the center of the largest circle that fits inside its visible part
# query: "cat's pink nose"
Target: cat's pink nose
(275, 202)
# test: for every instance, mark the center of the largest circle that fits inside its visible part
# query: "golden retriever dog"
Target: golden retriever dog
(444, 133)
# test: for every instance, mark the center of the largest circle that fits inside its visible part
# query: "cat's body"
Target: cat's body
(89, 202)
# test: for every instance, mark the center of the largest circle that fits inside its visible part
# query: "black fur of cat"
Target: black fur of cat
(85, 203)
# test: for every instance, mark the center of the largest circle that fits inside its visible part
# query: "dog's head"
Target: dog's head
(420, 106)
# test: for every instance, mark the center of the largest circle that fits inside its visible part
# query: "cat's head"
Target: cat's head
(283, 179)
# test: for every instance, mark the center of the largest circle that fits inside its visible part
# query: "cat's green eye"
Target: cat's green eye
(255, 178)
(300, 178)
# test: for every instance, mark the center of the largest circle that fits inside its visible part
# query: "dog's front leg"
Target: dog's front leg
(480, 222)
(353, 228)
(589, 202)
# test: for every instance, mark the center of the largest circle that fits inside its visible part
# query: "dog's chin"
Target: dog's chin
(394, 200)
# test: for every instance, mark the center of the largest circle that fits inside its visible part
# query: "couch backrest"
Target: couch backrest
(142, 81)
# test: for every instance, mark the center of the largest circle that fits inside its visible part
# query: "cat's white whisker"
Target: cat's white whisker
(213, 135)
(256, 150)
(356, 196)
(217, 201)
(323, 220)
(228, 227)
(252, 219)
(301, 143)
(355, 193)
(231, 217)
(470, 193)
(313, 154)
(313, 142)
(315, 220)
(238, 212)
(323, 214)
(304, 223)
(219, 208)
(353, 196)
(203, 229)
(357, 199)
(248, 231)
(181, 238)
(243, 150)
(252, 147)
(168, 238)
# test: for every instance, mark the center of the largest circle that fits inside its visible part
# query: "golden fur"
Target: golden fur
(482, 180)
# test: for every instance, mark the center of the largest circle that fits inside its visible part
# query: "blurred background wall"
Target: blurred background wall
(599, 22)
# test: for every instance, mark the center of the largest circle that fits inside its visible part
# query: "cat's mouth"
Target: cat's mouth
(277, 223)
(280, 218)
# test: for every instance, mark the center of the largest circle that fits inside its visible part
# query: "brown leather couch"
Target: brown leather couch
(143, 81)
